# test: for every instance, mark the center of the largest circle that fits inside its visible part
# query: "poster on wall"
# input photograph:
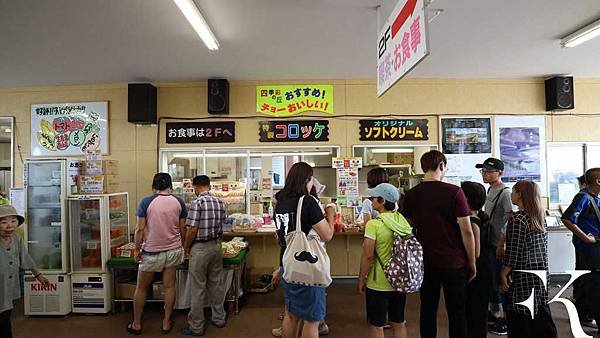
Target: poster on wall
(294, 131)
(63, 129)
(402, 43)
(347, 180)
(520, 146)
(394, 130)
(293, 100)
(465, 141)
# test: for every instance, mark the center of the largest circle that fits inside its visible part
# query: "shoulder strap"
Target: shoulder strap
(496, 201)
(298, 212)
(594, 205)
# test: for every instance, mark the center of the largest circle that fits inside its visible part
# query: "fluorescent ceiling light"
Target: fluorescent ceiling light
(7, 130)
(391, 150)
(196, 155)
(311, 153)
(195, 18)
(584, 34)
(395, 166)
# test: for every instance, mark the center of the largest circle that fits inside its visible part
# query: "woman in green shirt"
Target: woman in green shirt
(382, 300)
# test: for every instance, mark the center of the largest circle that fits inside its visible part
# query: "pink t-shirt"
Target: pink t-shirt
(162, 214)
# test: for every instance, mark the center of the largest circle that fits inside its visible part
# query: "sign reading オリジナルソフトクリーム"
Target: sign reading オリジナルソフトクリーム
(394, 130)
(69, 128)
(294, 99)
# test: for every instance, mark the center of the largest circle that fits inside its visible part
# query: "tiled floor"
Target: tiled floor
(257, 318)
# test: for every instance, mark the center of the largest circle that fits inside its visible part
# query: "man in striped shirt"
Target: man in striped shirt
(203, 244)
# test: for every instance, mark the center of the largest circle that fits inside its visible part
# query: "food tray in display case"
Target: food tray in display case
(233, 194)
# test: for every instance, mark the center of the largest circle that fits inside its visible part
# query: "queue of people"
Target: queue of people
(473, 249)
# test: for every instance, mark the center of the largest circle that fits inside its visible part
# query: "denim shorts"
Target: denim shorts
(158, 261)
(304, 302)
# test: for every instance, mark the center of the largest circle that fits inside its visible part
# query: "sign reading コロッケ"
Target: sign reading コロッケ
(294, 131)
(402, 43)
(201, 132)
(69, 128)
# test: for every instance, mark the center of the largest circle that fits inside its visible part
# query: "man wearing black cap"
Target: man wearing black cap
(498, 206)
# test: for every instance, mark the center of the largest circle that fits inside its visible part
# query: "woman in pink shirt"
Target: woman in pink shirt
(158, 241)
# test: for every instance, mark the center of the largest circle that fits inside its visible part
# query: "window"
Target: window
(563, 173)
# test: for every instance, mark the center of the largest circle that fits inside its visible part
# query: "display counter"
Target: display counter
(344, 252)
(234, 274)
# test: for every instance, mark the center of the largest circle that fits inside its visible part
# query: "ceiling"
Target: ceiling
(91, 41)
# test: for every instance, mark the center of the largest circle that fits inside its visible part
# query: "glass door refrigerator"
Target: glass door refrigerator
(99, 225)
(46, 236)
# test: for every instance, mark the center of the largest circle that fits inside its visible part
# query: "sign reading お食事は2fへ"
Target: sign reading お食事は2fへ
(394, 130)
(200, 132)
(294, 131)
(292, 100)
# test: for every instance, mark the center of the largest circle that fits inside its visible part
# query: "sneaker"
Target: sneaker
(219, 325)
(589, 323)
(498, 327)
(186, 331)
(278, 332)
(323, 329)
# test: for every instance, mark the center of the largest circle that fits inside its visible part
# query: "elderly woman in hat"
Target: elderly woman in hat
(13, 259)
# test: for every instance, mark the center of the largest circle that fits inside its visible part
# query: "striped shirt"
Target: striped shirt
(207, 214)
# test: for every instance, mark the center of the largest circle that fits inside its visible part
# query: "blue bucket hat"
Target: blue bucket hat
(385, 190)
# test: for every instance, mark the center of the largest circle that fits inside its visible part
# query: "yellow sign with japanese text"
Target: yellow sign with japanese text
(289, 100)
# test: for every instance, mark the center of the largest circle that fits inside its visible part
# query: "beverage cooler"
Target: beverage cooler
(99, 225)
(46, 236)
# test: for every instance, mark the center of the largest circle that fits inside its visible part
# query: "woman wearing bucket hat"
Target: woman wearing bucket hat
(13, 259)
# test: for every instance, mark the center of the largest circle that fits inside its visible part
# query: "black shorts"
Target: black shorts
(383, 305)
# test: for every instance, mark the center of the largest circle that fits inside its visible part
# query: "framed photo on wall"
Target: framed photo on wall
(466, 141)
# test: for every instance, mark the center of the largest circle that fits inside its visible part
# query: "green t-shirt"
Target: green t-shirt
(380, 230)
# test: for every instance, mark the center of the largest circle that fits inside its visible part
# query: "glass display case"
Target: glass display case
(99, 225)
(46, 232)
(257, 172)
(400, 161)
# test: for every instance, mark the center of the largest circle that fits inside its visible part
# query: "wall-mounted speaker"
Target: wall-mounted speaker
(141, 103)
(218, 96)
(560, 93)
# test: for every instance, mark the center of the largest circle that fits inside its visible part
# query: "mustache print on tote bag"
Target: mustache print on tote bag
(306, 256)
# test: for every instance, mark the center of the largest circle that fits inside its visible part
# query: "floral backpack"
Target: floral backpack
(405, 269)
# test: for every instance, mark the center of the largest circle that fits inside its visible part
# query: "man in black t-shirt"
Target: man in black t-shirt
(439, 213)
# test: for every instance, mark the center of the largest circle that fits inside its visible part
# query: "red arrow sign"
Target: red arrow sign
(405, 13)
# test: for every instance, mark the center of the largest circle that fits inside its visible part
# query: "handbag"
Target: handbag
(305, 260)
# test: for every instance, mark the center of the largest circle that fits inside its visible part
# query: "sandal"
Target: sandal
(131, 330)
(167, 331)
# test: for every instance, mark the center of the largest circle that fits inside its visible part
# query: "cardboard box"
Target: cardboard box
(102, 167)
(90, 184)
(112, 184)
(98, 184)
(125, 290)
(158, 290)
